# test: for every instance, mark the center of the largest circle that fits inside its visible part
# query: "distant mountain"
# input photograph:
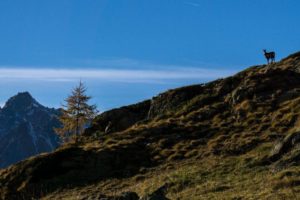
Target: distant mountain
(26, 129)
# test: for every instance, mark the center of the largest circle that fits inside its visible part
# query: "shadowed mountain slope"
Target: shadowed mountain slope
(233, 138)
(26, 129)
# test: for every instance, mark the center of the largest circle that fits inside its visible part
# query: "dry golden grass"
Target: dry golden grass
(206, 141)
(210, 178)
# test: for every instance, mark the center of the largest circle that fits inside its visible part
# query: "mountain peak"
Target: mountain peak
(21, 102)
(23, 94)
(26, 129)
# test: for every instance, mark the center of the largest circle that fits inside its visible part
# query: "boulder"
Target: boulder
(158, 194)
(284, 146)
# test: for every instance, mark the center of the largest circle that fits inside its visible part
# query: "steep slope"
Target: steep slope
(119, 119)
(26, 129)
(233, 138)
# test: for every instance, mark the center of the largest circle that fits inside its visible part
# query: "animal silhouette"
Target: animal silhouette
(269, 56)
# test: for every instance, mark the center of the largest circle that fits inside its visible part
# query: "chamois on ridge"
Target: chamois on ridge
(269, 55)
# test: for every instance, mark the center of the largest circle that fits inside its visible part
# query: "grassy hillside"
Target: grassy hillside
(233, 138)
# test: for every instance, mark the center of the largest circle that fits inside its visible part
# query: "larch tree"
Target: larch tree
(76, 114)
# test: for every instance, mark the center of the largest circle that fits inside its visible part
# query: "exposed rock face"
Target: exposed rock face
(286, 152)
(120, 119)
(26, 129)
(284, 146)
(173, 99)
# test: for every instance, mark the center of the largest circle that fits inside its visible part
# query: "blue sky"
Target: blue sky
(128, 51)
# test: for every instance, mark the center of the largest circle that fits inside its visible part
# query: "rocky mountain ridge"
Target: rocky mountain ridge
(233, 138)
(26, 129)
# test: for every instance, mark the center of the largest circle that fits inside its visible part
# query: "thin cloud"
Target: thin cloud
(112, 75)
(192, 3)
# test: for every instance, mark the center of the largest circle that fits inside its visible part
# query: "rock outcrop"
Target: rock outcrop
(119, 119)
(158, 194)
(284, 146)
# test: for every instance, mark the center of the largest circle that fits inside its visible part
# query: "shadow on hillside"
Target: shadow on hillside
(73, 167)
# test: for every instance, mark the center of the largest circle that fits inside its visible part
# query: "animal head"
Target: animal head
(264, 50)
